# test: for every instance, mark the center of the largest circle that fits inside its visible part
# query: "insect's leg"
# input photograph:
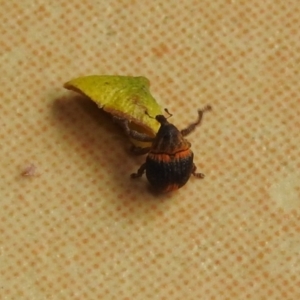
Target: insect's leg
(140, 171)
(198, 175)
(133, 133)
(139, 150)
(192, 127)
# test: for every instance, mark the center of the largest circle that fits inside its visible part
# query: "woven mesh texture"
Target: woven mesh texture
(73, 225)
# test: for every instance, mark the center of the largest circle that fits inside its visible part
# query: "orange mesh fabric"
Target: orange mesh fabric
(72, 223)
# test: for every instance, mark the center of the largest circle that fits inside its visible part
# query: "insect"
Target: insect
(169, 163)
(124, 97)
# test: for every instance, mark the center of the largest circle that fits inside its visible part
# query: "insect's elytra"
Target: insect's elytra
(169, 163)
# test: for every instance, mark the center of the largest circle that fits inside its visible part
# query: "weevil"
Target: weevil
(169, 163)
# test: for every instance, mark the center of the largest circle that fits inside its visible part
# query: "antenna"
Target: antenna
(170, 115)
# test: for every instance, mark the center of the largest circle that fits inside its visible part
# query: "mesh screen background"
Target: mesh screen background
(72, 223)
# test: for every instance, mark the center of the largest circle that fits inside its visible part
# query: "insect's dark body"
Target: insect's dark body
(169, 163)
(169, 172)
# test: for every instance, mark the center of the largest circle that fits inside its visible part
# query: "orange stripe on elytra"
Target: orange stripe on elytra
(169, 158)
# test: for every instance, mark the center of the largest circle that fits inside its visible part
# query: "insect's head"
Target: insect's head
(168, 139)
(161, 118)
